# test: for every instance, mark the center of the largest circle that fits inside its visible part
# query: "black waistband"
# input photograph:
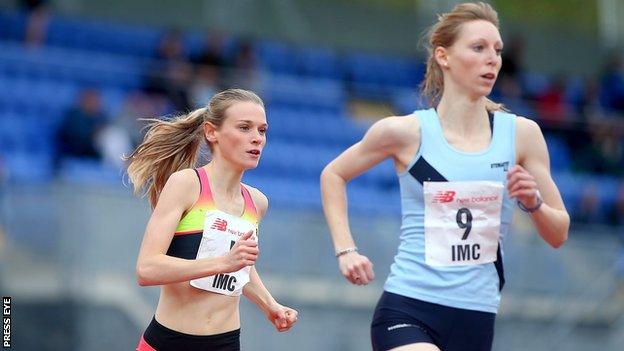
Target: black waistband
(162, 338)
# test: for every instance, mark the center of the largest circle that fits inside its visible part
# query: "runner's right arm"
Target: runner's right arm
(154, 266)
(383, 140)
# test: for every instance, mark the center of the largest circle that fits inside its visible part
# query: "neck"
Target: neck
(224, 179)
(462, 114)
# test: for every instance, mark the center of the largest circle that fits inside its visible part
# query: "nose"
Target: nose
(257, 138)
(493, 59)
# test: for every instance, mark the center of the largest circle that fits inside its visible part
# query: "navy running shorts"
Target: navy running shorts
(400, 320)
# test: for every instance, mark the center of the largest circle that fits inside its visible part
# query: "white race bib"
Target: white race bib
(462, 222)
(221, 232)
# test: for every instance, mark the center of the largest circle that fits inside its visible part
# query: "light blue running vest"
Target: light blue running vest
(472, 287)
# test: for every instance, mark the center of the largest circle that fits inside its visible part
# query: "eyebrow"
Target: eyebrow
(500, 42)
(250, 122)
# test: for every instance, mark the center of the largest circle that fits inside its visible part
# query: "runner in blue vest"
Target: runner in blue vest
(461, 166)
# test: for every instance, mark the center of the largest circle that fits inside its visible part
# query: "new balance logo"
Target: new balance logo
(219, 224)
(503, 165)
(444, 196)
(397, 326)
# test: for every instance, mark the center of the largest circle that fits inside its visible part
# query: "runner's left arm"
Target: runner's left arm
(530, 178)
(282, 317)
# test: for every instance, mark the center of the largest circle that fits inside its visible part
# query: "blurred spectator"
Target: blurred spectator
(510, 93)
(79, 127)
(588, 209)
(245, 67)
(204, 86)
(171, 75)
(603, 154)
(612, 84)
(113, 142)
(37, 22)
(513, 55)
(138, 105)
(551, 104)
(178, 76)
(171, 47)
(616, 212)
(588, 105)
(212, 58)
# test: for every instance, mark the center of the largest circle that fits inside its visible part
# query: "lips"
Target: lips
(254, 152)
(488, 76)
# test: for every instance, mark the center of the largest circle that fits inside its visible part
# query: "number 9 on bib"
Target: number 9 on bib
(462, 222)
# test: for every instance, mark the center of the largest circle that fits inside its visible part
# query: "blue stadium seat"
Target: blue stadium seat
(407, 100)
(321, 63)
(13, 25)
(276, 57)
(559, 153)
(303, 92)
(80, 67)
(104, 37)
(534, 84)
(371, 200)
(571, 187)
(88, 172)
(26, 167)
(574, 90)
(329, 129)
(375, 76)
(382, 176)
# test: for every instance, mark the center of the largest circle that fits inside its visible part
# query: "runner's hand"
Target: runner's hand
(356, 268)
(243, 253)
(522, 186)
(282, 317)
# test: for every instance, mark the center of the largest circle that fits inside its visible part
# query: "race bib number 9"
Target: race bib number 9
(462, 222)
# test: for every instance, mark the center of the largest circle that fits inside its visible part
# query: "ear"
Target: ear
(210, 132)
(441, 56)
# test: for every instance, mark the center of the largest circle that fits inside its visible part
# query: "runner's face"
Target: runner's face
(242, 136)
(474, 59)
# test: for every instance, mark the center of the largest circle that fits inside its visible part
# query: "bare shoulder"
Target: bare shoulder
(183, 180)
(260, 200)
(529, 140)
(395, 129)
(397, 125)
(182, 186)
(527, 127)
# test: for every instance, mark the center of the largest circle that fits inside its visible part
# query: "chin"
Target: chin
(483, 92)
(248, 166)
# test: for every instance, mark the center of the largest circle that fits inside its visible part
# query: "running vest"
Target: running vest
(455, 214)
(207, 232)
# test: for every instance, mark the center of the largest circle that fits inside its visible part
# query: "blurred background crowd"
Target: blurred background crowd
(77, 76)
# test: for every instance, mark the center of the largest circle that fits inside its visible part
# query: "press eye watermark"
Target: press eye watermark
(6, 322)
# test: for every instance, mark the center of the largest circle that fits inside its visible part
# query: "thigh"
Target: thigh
(417, 347)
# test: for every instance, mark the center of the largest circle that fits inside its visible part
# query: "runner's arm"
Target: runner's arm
(533, 173)
(154, 266)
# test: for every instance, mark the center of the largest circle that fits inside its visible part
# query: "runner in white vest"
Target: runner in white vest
(201, 242)
(461, 167)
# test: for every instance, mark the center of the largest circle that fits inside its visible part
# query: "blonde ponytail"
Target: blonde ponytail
(170, 146)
